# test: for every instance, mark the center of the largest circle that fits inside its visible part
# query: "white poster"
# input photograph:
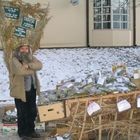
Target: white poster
(101, 80)
(138, 102)
(59, 138)
(92, 108)
(123, 105)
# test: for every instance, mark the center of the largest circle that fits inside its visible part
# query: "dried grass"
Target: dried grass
(108, 120)
(8, 39)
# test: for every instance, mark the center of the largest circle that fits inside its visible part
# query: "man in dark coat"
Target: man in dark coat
(24, 86)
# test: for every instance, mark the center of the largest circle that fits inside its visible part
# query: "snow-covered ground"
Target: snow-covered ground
(60, 64)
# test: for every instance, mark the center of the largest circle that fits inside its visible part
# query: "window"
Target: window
(111, 14)
(102, 14)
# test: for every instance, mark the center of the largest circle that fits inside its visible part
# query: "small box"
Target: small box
(40, 127)
(8, 129)
(51, 112)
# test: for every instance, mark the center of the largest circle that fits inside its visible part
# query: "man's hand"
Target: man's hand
(25, 66)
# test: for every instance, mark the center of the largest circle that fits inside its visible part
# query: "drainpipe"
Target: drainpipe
(87, 23)
(134, 23)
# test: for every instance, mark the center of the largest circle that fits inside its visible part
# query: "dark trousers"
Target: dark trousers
(26, 113)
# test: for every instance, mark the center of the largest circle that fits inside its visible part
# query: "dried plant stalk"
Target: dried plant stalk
(109, 120)
(7, 26)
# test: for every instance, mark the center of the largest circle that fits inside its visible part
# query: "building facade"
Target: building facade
(67, 27)
(92, 23)
(111, 22)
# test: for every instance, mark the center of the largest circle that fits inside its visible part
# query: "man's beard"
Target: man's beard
(25, 57)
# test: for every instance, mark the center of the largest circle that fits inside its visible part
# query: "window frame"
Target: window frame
(124, 17)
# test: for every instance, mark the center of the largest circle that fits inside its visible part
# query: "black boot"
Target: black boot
(24, 138)
(35, 135)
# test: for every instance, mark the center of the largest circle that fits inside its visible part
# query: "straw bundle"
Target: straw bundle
(7, 26)
(108, 121)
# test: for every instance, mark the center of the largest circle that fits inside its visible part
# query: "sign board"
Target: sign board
(123, 105)
(28, 22)
(20, 32)
(59, 138)
(138, 102)
(101, 80)
(93, 108)
(11, 12)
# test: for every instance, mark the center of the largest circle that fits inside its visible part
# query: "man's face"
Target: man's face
(24, 54)
(24, 49)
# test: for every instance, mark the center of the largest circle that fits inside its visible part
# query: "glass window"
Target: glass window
(124, 25)
(102, 14)
(97, 11)
(116, 17)
(106, 10)
(106, 25)
(116, 10)
(115, 6)
(116, 25)
(106, 2)
(97, 3)
(106, 18)
(97, 18)
(124, 11)
(111, 14)
(97, 26)
(124, 18)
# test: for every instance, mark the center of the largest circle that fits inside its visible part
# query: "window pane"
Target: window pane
(116, 25)
(106, 17)
(97, 18)
(106, 25)
(124, 18)
(123, 10)
(123, 3)
(97, 3)
(97, 25)
(115, 6)
(116, 18)
(124, 25)
(106, 10)
(116, 11)
(97, 11)
(111, 14)
(106, 2)
(120, 13)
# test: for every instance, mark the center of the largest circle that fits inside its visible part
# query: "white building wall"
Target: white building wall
(67, 27)
(137, 22)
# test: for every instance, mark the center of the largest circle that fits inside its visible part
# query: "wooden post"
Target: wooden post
(130, 118)
(114, 125)
(84, 121)
(100, 122)
(74, 116)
